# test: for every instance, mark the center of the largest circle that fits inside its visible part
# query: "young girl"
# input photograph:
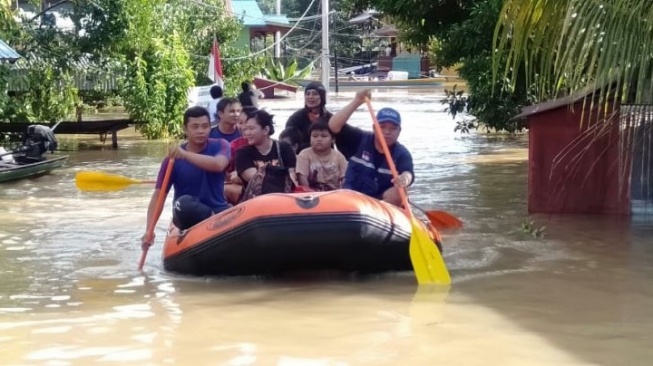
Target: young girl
(320, 167)
(265, 165)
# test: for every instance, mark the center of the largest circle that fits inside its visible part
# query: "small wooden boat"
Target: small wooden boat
(278, 233)
(17, 170)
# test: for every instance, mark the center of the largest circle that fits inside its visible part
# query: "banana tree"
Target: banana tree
(277, 72)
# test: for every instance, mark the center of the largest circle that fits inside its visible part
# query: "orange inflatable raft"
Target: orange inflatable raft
(278, 233)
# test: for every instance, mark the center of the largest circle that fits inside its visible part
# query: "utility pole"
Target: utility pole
(277, 35)
(325, 45)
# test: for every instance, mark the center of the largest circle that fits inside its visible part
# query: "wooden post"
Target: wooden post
(79, 112)
(114, 138)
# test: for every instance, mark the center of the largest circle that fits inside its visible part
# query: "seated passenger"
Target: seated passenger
(233, 188)
(265, 165)
(320, 167)
(292, 137)
(228, 116)
(314, 109)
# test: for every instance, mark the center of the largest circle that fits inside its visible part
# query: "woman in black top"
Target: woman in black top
(265, 165)
(301, 120)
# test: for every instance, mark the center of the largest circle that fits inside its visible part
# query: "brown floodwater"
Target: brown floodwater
(70, 292)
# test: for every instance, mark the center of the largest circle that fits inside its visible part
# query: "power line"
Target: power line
(267, 48)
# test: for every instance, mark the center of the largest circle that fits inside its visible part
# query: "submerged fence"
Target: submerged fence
(636, 140)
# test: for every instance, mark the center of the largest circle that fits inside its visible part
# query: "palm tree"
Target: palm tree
(568, 45)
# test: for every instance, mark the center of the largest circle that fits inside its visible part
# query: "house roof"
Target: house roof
(248, 12)
(387, 30)
(555, 103)
(7, 53)
(274, 19)
(363, 17)
(251, 15)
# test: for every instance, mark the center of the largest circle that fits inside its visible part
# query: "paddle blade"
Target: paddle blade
(427, 260)
(443, 220)
(98, 181)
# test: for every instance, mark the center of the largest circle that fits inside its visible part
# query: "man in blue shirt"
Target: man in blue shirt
(229, 110)
(197, 174)
(368, 170)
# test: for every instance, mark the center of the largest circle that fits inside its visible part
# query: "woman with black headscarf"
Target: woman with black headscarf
(314, 110)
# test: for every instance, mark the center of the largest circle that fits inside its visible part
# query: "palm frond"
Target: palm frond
(567, 45)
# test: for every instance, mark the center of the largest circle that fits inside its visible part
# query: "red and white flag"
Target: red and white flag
(215, 65)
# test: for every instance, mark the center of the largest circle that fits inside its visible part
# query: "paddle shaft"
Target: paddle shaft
(418, 207)
(388, 158)
(157, 210)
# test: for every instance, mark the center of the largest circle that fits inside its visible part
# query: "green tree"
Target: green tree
(155, 87)
(161, 47)
(164, 46)
(492, 101)
(568, 45)
(158, 76)
(269, 6)
(421, 20)
(460, 32)
(50, 94)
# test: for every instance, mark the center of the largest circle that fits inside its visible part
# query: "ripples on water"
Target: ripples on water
(70, 292)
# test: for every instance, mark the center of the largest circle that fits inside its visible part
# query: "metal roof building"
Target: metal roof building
(7, 53)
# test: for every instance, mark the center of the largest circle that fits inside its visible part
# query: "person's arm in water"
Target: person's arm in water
(338, 120)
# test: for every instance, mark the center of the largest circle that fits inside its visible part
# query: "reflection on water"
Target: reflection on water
(70, 292)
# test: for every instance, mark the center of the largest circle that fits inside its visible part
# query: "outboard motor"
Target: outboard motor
(38, 140)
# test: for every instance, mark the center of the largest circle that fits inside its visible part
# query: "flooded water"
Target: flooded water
(70, 292)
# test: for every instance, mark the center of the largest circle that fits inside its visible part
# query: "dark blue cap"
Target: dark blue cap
(389, 115)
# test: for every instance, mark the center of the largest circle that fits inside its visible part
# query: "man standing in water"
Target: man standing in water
(197, 175)
(368, 170)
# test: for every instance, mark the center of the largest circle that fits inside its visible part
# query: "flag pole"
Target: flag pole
(213, 54)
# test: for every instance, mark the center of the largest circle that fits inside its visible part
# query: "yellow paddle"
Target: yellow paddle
(98, 181)
(427, 260)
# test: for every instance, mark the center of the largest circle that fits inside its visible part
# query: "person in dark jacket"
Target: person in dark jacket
(368, 171)
(248, 97)
(314, 109)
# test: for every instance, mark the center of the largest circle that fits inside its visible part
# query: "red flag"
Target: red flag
(215, 64)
